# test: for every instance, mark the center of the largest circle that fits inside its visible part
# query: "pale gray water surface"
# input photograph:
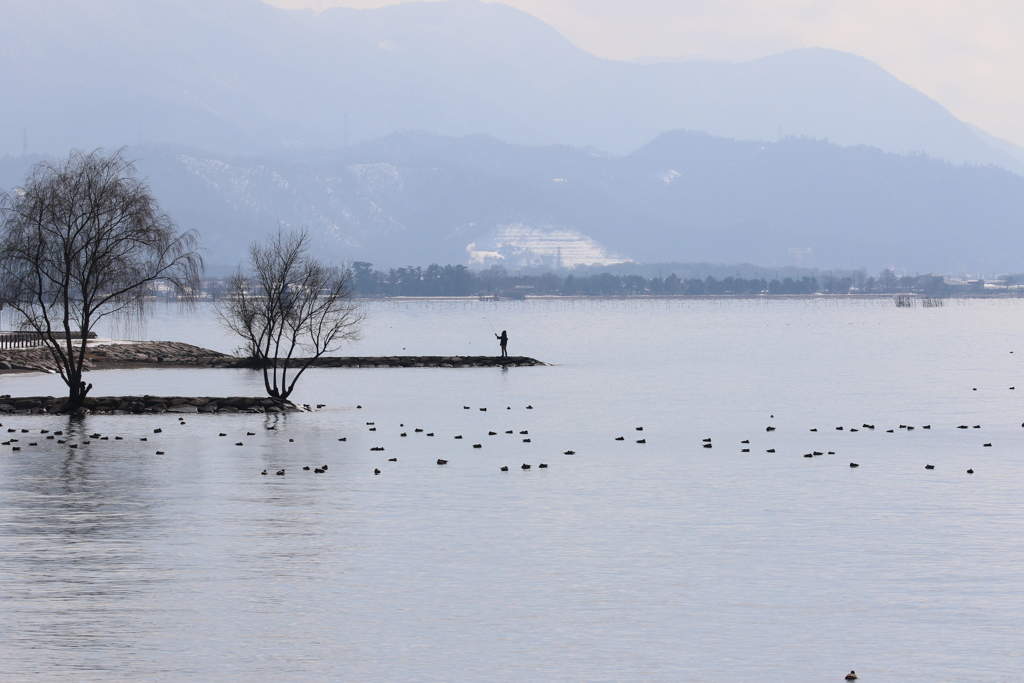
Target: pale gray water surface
(663, 561)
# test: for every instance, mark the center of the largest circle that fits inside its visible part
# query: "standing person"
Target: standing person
(503, 340)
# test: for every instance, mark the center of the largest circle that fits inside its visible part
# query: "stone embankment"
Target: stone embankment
(38, 359)
(124, 405)
(419, 362)
(177, 354)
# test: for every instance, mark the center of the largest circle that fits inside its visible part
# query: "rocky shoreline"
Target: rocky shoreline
(178, 354)
(134, 405)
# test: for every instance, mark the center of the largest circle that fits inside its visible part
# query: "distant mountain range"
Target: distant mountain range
(416, 198)
(539, 153)
(243, 77)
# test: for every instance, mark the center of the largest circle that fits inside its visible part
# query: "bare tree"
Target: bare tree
(290, 310)
(81, 240)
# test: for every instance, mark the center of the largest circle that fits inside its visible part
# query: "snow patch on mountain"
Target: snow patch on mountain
(520, 245)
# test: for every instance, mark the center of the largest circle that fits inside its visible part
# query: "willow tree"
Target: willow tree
(81, 240)
(289, 308)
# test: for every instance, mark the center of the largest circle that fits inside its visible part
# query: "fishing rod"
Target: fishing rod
(492, 326)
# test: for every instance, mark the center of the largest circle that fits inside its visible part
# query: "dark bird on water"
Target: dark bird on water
(492, 433)
(853, 464)
(770, 450)
(159, 452)
(707, 445)
(403, 434)
(622, 438)
(808, 455)
(459, 436)
(263, 472)
(745, 441)
(392, 459)
(641, 440)
(706, 440)
(524, 432)
(543, 466)
(745, 450)
(814, 430)
(250, 433)
(417, 430)
(483, 410)
(929, 467)
(639, 429)
(239, 444)
(770, 429)
(852, 676)
(569, 453)
(478, 445)
(510, 432)
(280, 473)
(890, 431)
(157, 430)
(222, 434)
(442, 462)
(839, 429)
(970, 471)
(430, 434)
(376, 471)
(987, 445)
(505, 468)
(529, 407)
(306, 468)
(318, 471)
(526, 441)
(465, 407)
(344, 438)
(525, 466)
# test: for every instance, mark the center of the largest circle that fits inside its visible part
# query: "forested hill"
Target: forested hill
(417, 198)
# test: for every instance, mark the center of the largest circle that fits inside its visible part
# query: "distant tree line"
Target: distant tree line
(436, 280)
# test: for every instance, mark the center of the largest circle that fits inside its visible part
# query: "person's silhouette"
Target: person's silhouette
(503, 340)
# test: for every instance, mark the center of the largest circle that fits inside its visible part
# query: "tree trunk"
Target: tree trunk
(77, 391)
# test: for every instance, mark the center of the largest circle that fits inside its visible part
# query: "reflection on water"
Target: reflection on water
(659, 561)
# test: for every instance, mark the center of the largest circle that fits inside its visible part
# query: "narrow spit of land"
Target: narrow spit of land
(115, 356)
(109, 356)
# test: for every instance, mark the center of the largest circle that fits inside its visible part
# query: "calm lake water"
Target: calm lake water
(661, 561)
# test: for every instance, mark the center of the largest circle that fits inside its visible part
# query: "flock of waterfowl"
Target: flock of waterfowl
(745, 444)
(372, 426)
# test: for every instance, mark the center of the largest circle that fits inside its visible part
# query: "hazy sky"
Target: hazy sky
(967, 54)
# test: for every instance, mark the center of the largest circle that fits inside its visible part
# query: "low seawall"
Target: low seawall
(127, 405)
(178, 354)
